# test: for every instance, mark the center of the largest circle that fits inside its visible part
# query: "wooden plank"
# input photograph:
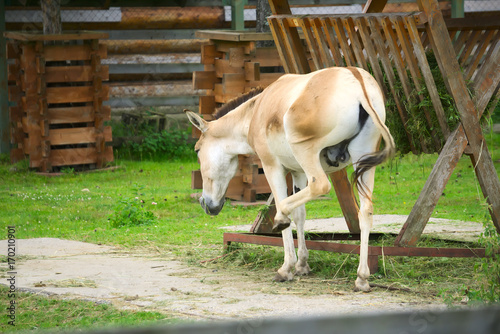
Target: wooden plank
(347, 200)
(237, 57)
(427, 74)
(13, 72)
(204, 79)
(74, 94)
(73, 73)
(233, 84)
(265, 80)
(252, 71)
(196, 179)
(374, 6)
(77, 135)
(71, 52)
(208, 54)
(222, 66)
(305, 24)
(78, 156)
(344, 44)
(352, 32)
(469, 47)
(295, 49)
(75, 114)
(320, 36)
(487, 80)
(207, 105)
(333, 42)
(13, 50)
(279, 39)
(380, 44)
(266, 57)
(371, 52)
(484, 43)
(69, 36)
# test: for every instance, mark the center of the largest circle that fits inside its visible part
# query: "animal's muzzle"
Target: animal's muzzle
(209, 207)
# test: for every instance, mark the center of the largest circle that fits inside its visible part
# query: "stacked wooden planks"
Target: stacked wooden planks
(234, 65)
(56, 93)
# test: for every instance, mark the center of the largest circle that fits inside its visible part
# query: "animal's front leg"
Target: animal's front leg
(276, 177)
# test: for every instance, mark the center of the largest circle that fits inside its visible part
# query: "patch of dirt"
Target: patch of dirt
(150, 282)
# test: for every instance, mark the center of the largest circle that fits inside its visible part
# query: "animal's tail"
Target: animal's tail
(371, 160)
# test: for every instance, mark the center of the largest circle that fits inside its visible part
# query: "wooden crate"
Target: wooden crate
(233, 65)
(56, 90)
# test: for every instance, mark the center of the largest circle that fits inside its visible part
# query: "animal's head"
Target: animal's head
(218, 164)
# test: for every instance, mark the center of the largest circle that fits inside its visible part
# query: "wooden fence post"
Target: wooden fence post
(4, 106)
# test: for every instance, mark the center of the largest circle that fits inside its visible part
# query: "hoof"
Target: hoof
(280, 278)
(280, 227)
(362, 285)
(303, 270)
(281, 222)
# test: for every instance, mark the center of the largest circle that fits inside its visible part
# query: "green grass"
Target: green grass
(62, 315)
(78, 207)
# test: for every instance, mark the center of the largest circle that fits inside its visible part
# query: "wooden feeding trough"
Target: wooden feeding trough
(394, 46)
(56, 92)
(233, 65)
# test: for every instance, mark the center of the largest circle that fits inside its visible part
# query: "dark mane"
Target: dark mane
(236, 102)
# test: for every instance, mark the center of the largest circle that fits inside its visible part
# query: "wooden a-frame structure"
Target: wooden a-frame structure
(388, 41)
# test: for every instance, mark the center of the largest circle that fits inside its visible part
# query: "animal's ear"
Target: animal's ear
(196, 120)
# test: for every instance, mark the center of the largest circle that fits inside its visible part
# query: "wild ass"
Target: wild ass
(309, 125)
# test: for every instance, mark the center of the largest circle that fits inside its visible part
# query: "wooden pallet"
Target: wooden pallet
(56, 93)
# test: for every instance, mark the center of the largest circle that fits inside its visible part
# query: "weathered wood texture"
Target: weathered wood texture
(393, 47)
(56, 92)
(234, 65)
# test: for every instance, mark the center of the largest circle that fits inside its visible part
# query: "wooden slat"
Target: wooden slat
(469, 47)
(77, 35)
(77, 135)
(72, 52)
(76, 114)
(305, 24)
(207, 105)
(266, 57)
(352, 32)
(389, 72)
(74, 94)
(204, 79)
(344, 44)
(364, 32)
(427, 74)
(78, 156)
(333, 42)
(480, 51)
(279, 39)
(222, 66)
(13, 72)
(320, 37)
(233, 84)
(13, 50)
(73, 73)
(347, 200)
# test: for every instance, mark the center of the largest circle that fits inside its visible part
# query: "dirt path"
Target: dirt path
(148, 282)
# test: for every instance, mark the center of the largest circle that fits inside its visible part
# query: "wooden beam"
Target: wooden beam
(4, 111)
(374, 6)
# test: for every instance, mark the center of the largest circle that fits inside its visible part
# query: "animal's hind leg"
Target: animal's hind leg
(299, 218)
(365, 222)
(317, 182)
